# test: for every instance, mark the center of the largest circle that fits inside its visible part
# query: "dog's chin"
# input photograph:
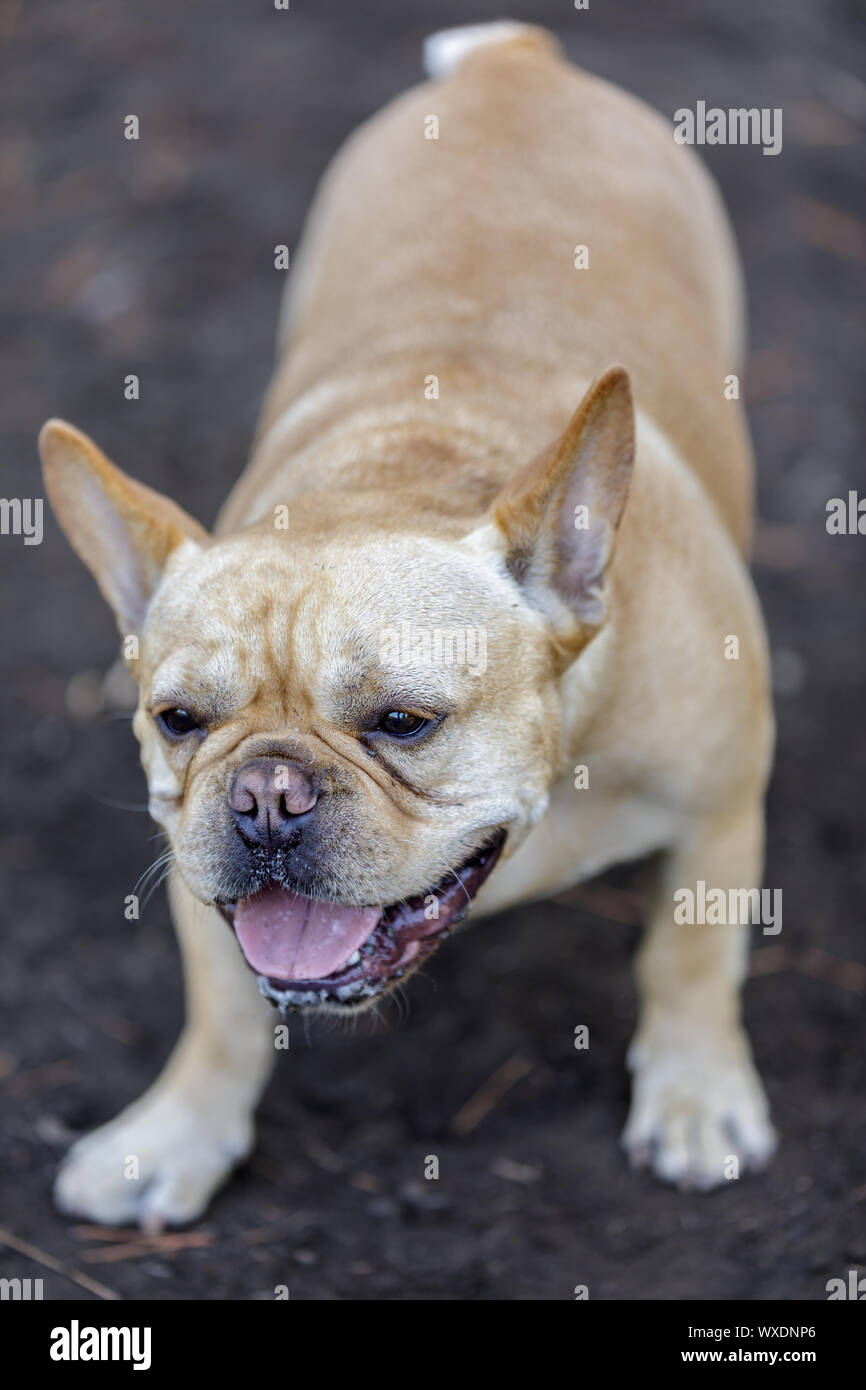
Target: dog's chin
(311, 953)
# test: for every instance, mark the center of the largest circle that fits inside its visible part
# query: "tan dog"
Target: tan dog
(363, 700)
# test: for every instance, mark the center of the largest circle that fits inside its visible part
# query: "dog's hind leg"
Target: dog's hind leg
(698, 1112)
(159, 1162)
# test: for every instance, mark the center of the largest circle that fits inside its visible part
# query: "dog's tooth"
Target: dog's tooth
(353, 959)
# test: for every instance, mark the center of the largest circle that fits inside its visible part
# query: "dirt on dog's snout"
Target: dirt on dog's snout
(469, 1149)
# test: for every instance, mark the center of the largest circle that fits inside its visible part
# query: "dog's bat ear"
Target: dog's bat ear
(123, 531)
(557, 519)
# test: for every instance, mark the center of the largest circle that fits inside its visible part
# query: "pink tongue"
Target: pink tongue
(290, 937)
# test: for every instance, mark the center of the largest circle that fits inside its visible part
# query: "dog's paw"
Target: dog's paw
(158, 1164)
(693, 1113)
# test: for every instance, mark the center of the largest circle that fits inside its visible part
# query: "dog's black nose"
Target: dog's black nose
(267, 797)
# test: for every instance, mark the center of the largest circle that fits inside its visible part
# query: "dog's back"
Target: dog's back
(442, 265)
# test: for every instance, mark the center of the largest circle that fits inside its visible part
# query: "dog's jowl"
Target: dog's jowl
(362, 699)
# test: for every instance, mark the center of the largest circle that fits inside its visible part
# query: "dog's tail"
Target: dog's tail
(444, 51)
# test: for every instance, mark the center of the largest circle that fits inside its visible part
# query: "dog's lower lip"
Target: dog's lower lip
(403, 936)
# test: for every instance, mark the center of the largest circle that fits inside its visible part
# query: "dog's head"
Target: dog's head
(344, 719)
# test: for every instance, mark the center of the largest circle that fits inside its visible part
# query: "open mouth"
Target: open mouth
(306, 951)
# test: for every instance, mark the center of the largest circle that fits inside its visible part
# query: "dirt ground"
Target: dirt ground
(156, 258)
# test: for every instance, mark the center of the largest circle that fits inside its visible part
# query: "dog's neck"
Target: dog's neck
(378, 432)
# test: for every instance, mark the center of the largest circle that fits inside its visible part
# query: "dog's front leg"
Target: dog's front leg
(161, 1159)
(697, 1100)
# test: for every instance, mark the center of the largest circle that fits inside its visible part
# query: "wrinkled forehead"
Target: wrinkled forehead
(411, 616)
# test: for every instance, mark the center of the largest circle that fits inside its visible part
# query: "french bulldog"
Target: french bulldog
(476, 621)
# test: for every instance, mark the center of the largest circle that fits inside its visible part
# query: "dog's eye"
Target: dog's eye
(399, 724)
(177, 722)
